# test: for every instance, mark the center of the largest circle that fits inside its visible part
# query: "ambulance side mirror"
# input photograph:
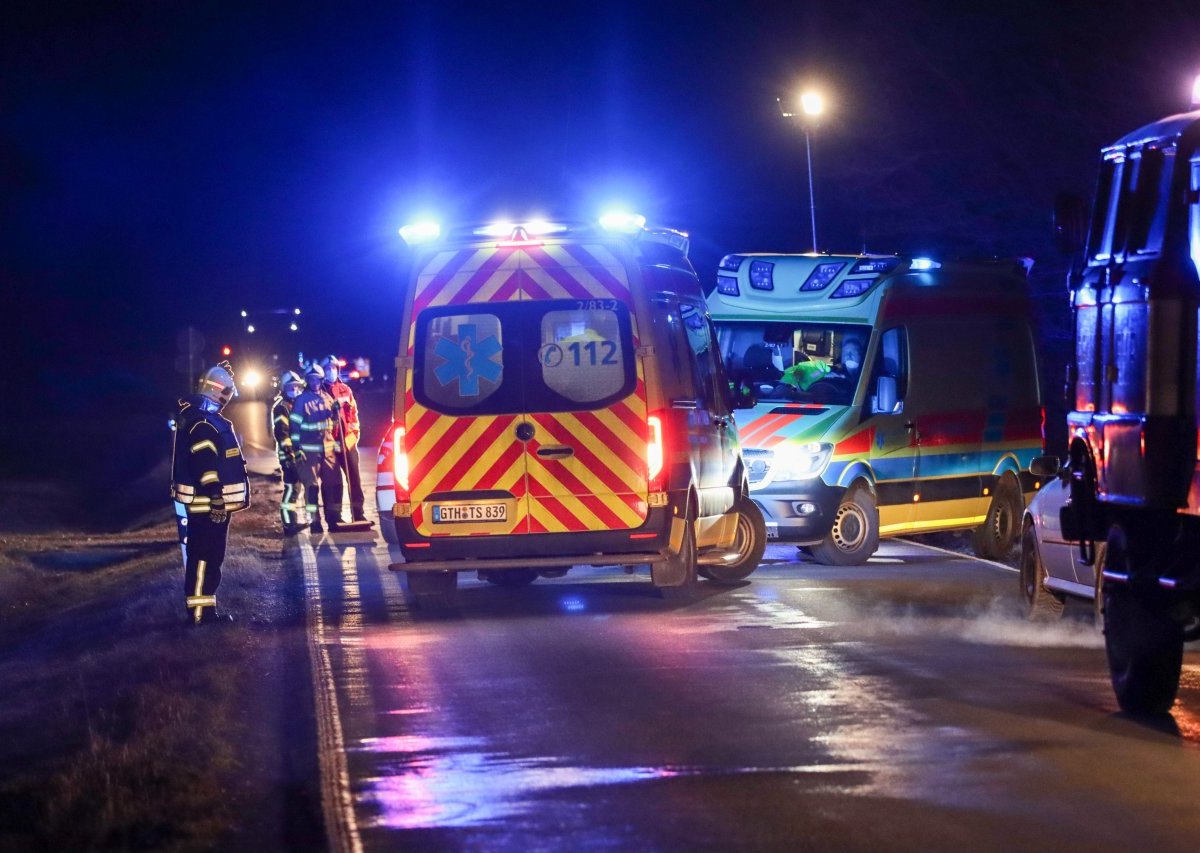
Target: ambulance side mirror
(885, 395)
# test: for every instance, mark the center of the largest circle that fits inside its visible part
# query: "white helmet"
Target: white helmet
(332, 368)
(217, 384)
(291, 384)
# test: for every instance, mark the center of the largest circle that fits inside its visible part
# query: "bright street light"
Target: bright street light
(812, 105)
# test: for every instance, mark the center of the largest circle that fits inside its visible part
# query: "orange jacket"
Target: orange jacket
(348, 409)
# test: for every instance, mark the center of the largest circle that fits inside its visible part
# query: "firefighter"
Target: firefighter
(291, 504)
(209, 481)
(312, 421)
(346, 434)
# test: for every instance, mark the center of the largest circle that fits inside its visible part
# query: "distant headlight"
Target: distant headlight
(251, 378)
(801, 462)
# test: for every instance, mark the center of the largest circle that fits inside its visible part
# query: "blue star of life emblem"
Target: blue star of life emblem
(468, 360)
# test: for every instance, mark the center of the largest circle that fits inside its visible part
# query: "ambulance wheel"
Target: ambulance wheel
(1143, 641)
(510, 578)
(431, 591)
(676, 576)
(749, 546)
(1041, 605)
(387, 526)
(995, 538)
(855, 532)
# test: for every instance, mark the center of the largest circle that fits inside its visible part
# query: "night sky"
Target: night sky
(166, 164)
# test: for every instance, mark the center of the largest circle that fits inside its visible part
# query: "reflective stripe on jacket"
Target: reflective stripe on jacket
(207, 467)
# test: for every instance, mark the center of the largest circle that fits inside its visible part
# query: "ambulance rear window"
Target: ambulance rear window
(550, 355)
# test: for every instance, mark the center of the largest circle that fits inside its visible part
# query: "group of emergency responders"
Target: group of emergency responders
(316, 429)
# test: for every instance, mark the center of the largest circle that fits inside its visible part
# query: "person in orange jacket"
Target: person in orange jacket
(347, 432)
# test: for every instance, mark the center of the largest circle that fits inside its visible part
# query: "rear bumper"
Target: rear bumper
(535, 550)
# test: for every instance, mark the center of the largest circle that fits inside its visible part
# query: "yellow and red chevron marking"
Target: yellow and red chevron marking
(602, 485)
(504, 273)
(463, 454)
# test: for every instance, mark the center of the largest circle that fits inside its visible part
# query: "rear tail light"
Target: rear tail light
(655, 454)
(400, 463)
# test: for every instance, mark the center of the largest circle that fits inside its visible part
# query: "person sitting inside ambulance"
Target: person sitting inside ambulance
(759, 364)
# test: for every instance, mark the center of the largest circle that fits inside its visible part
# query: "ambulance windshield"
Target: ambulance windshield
(796, 362)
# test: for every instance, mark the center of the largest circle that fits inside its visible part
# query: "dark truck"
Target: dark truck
(1133, 398)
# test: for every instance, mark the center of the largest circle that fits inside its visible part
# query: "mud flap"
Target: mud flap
(679, 568)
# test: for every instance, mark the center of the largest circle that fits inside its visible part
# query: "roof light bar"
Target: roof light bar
(626, 222)
(822, 276)
(733, 263)
(728, 285)
(923, 264)
(424, 231)
(534, 228)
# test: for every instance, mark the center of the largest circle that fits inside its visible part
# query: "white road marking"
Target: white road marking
(960, 556)
(341, 825)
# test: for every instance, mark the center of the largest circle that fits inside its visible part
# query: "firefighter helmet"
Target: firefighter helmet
(291, 384)
(217, 384)
(314, 376)
(331, 365)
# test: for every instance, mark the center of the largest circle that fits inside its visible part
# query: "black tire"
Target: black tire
(1144, 643)
(511, 578)
(995, 538)
(677, 575)
(855, 532)
(1041, 604)
(749, 545)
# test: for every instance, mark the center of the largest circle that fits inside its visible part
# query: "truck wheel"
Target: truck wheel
(1041, 605)
(995, 538)
(749, 546)
(431, 591)
(1143, 642)
(855, 532)
(676, 576)
(510, 578)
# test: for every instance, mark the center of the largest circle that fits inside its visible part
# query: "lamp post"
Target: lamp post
(812, 104)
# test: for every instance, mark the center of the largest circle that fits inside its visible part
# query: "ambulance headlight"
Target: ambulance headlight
(425, 231)
(801, 461)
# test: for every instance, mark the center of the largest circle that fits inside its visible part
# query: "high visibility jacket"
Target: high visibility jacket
(281, 428)
(343, 395)
(312, 421)
(207, 468)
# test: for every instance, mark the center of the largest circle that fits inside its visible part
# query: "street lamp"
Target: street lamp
(812, 104)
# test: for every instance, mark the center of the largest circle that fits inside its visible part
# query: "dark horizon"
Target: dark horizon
(170, 166)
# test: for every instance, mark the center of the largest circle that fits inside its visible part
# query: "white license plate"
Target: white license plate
(457, 513)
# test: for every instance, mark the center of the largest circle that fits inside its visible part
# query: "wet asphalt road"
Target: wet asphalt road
(901, 705)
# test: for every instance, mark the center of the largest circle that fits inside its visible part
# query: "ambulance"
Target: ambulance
(561, 401)
(894, 396)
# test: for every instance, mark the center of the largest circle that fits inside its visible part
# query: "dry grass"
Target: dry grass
(132, 731)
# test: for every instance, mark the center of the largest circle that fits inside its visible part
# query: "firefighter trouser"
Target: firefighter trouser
(322, 477)
(291, 505)
(349, 461)
(205, 553)
(181, 520)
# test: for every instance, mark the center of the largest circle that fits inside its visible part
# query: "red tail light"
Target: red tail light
(655, 454)
(400, 463)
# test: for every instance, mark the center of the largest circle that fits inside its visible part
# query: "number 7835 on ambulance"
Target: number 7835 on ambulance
(561, 401)
(894, 396)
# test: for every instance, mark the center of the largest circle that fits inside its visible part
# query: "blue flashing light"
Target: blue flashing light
(728, 285)
(732, 263)
(875, 265)
(625, 222)
(923, 264)
(852, 287)
(424, 231)
(762, 275)
(533, 228)
(821, 277)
